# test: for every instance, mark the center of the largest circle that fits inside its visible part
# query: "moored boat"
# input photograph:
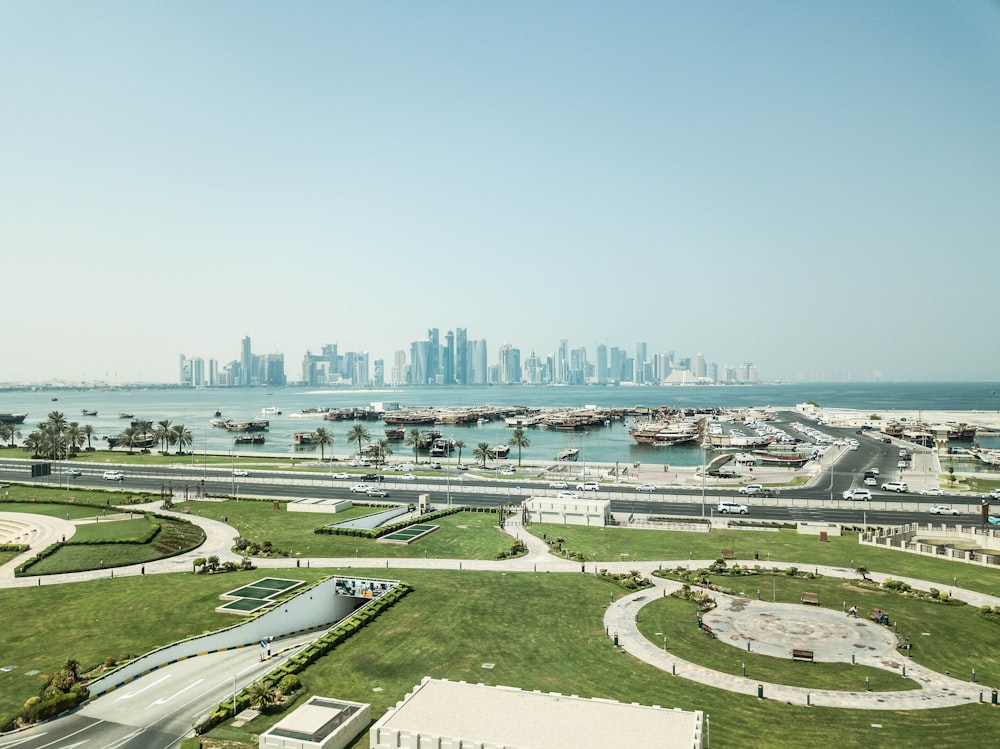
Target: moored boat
(570, 453)
(9, 418)
(501, 451)
(88, 412)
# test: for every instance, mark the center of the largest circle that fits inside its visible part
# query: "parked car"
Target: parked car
(374, 491)
(932, 491)
(943, 510)
(856, 495)
(461, 467)
(727, 508)
(588, 486)
(114, 476)
(646, 488)
(241, 472)
(558, 485)
(73, 472)
(360, 488)
(899, 487)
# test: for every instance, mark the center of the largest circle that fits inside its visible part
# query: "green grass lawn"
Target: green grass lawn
(781, 546)
(940, 634)
(113, 530)
(545, 632)
(174, 537)
(465, 535)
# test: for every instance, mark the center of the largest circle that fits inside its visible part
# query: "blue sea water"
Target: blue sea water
(195, 408)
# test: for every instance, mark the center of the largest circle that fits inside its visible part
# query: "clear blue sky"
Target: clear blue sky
(813, 187)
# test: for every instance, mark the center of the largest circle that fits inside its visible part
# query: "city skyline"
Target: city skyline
(461, 361)
(809, 187)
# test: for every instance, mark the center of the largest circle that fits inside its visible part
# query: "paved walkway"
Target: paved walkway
(786, 621)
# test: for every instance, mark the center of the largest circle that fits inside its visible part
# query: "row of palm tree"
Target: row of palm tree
(55, 438)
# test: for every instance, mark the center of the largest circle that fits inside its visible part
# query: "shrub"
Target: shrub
(289, 684)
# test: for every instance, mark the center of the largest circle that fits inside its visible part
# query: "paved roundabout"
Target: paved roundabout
(776, 629)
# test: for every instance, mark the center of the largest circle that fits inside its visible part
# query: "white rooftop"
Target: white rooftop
(486, 714)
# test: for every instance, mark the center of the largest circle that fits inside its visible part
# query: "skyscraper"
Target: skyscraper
(461, 356)
(448, 364)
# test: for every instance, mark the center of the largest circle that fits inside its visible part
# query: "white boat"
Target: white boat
(270, 411)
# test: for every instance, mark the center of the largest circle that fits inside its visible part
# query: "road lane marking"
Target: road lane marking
(140, 691)
(176, 694)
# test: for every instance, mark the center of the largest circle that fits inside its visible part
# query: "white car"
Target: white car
(899, 487)
(871, 481)
(558, 485)
(588, 486)
(568, 495)
(932, 491)
(855, 495)
(943, 510)
(751, 489)
(241, 472)
(508, 471)
(340, 476)
(736, 508)
(646, 488)
(874, 470)
(73, 472)
(461, 467)
(114, 476)
(360, 488)
(407, 477)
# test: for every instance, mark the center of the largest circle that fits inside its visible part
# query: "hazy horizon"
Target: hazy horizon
(811, 188)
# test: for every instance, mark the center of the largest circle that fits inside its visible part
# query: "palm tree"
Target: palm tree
(358, 433)
(181, 436)
(130, 436)
(483, 452)
(74, 436)
(163, 434)
(413, 440)
(519, 439)
(381, 451)
(322, 437)
(145, 431)
(262, 695)
(88, 431)
(459, 444)
(33, 443)
(9, 432)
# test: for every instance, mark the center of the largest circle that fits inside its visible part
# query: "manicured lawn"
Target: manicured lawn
(174, 537)
(780, 546)
(113, 530)
(466, 535)
(545, 631)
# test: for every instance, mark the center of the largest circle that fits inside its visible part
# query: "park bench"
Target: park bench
(728, 554)
(802, 655)
(810, 598)
(708, 631)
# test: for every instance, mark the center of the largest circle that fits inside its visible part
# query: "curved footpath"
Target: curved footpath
(936, 690)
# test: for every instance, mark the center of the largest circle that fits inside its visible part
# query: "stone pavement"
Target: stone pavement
(786, 623)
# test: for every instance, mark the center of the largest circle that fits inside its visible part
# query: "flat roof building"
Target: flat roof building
(457, 715)
(566, 511)
(321, 723)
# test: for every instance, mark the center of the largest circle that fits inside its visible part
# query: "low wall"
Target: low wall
(906, 538)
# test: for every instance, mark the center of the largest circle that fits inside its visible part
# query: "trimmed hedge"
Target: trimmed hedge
(313, 652)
